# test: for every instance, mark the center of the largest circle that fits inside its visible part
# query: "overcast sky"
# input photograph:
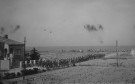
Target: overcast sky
(61, 22)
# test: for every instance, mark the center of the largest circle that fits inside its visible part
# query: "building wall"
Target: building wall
(18, 54)
(1, 51)
(4, 64)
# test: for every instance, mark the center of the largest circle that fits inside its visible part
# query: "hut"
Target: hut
(11, 51)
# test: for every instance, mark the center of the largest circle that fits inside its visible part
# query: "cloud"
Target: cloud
(15, 29)
(134, 27)
(9, 30)
(44, 29)
(101, 27)
(2, 30)
(97, 29)
(90, 28)
(93, 28)
(47, 30)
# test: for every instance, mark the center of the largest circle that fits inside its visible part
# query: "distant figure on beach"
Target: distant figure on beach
(11, 58)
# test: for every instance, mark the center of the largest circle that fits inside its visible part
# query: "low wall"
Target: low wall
(4, 65)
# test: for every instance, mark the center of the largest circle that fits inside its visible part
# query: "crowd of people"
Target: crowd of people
(50, 64)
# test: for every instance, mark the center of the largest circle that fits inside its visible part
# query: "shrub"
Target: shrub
(1, 82)
(44, 70)
(12, 75)
(34, 55)
(18, 74)
(6, 75)
(9, 75)
(23, 72)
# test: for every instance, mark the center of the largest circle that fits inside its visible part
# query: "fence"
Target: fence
(29, 63)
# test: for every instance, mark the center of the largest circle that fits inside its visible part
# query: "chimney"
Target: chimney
(6, 36)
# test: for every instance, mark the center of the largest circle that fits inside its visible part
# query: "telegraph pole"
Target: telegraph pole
(24, 67)
(0, 72)
(117, 53)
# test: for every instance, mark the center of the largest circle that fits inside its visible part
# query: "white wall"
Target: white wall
(4, 65)
(132, 52)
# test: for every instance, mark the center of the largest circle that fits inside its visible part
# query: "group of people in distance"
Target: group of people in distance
(69, 61)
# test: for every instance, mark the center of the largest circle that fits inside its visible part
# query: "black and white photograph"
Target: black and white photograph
(67, 41)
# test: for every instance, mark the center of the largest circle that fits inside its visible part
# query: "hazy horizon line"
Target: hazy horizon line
(81, 46)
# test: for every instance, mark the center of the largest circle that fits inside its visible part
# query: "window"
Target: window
(11, 50)
(18, 52)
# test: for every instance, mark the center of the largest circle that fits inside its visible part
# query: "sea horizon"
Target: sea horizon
(47, 48)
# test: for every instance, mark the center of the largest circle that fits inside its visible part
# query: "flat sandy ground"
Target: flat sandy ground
(99, 71)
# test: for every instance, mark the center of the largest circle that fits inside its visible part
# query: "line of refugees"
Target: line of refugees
(52, 64)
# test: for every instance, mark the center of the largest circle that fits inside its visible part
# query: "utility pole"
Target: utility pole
(117, 53)
(24, 67)
(0, 72)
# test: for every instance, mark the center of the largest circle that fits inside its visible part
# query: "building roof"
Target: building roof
(9, 41)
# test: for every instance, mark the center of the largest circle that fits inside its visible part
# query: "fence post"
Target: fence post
(20, 64)
(26, 63)
(34, 62)
(30, 62)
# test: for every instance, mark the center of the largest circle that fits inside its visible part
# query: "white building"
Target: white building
(132, 52)
(11, 51)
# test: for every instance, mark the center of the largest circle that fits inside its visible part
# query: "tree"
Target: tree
(34, 54)
(27, 56)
